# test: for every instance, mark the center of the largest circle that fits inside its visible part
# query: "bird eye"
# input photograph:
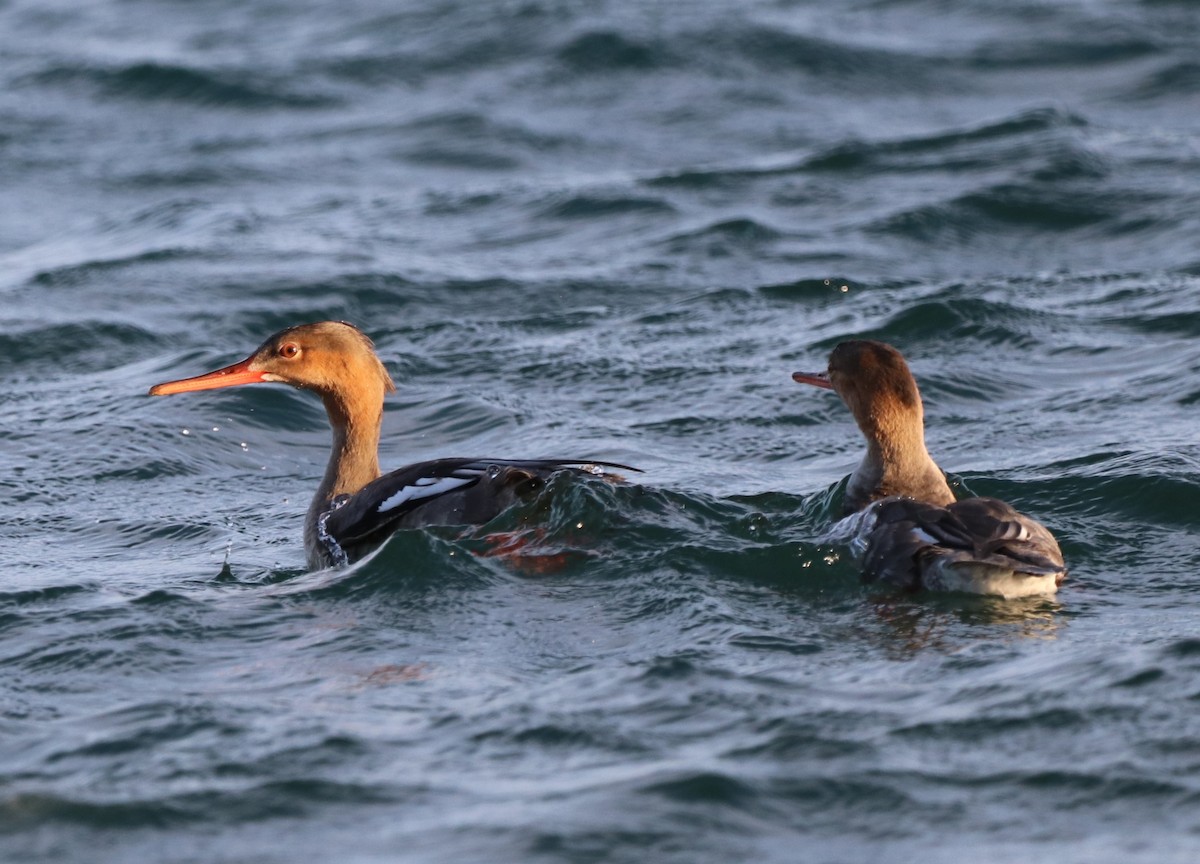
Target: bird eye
(289, 350)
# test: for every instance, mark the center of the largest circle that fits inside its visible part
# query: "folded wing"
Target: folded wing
(980, 545)
(437, 492)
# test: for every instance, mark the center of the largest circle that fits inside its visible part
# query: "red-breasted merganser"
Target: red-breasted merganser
(901, 517)
(356, 508)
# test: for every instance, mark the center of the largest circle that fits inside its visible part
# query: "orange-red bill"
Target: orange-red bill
(817, 379)
(230, 376)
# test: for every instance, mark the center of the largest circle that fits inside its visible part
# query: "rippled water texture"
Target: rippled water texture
(609, 230)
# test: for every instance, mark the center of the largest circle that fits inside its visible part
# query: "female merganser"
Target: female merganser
(901, 517)
(355, 508)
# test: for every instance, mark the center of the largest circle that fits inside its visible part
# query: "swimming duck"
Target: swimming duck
(356, 507)
(901, 518)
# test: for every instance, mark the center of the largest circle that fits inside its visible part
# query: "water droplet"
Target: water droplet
(216, 428)
(187, 431)
(578, 524)
(845, 289)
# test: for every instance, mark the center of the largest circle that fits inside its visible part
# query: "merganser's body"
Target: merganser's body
(356, 508)
(902, 520)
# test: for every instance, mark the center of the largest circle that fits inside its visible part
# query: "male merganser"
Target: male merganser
(901, 517)
(356, 508)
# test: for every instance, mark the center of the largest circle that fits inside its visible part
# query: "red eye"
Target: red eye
(289, 350)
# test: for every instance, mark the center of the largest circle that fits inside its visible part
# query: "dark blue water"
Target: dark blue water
(611, 230)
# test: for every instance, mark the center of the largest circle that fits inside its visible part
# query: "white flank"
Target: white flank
(972, 577)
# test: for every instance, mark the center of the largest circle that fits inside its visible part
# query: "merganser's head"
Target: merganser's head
(878, 388)
(874, 382)
(330, 357)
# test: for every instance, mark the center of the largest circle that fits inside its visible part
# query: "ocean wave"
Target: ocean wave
(154, 81)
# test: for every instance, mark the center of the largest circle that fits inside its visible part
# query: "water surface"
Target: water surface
(607, 230)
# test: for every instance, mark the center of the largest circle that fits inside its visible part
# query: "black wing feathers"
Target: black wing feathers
(442, 492)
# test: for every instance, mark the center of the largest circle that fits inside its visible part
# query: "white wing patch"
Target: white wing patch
(426, 487)
(925, 537)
